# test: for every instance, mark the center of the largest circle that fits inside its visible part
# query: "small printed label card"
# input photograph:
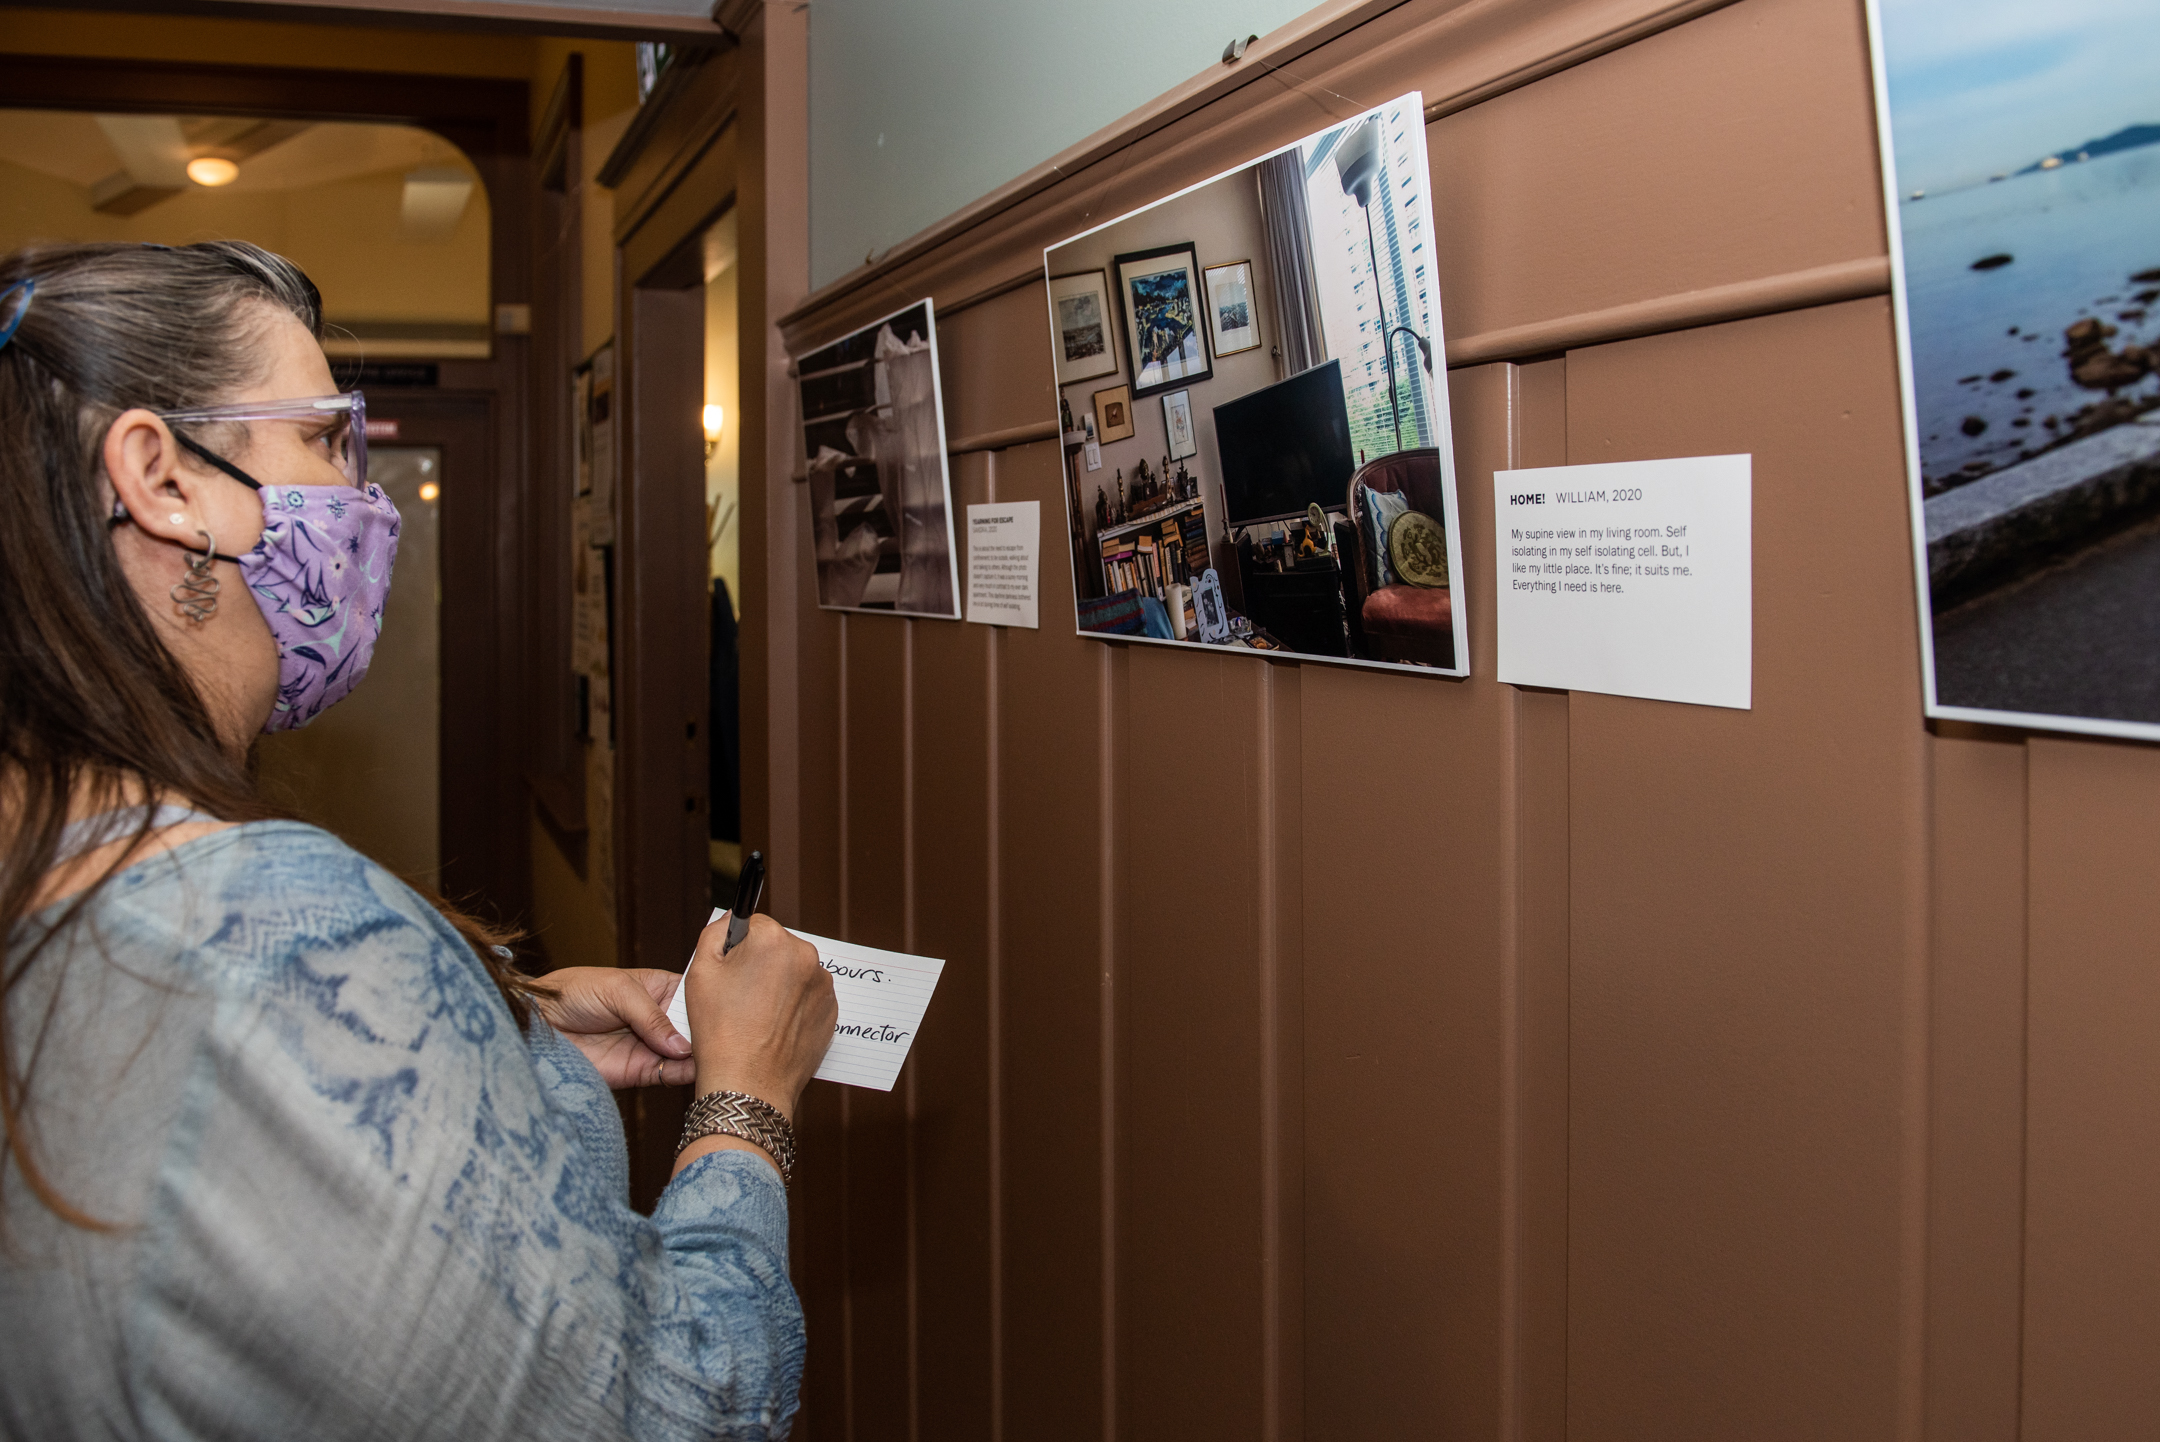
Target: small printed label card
(882, 996)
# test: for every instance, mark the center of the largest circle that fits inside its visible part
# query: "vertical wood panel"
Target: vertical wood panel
(879, 1212)
(948, 1070)
(2092, 1252)
(1976, 1133)
(1282, 1059)
(1050, 947)
(1745, 890)
(1189, 1052)
(818, 1198)
(1407, 949)
(1535, 1195)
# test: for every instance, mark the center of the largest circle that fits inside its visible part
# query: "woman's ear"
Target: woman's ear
(143, 463)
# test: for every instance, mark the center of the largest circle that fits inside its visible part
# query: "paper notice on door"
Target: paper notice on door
(882, 996)
(1004, 549)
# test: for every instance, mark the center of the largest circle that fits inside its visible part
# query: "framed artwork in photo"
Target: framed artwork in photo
(1159, 292)
(1113, 414)
(1081, 329)
(1233, 320)
(1177, 425)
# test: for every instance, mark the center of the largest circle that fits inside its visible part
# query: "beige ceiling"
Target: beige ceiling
(80, 148)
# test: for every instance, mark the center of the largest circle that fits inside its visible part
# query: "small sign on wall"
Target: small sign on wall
(1004, 562)
(1634, 578)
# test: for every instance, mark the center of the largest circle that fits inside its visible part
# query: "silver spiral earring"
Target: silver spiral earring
(195, 594)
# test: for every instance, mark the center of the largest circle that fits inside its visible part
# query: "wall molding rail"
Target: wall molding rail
(1712, 305)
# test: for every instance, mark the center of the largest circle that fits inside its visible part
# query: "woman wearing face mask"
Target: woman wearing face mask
(288, 1152)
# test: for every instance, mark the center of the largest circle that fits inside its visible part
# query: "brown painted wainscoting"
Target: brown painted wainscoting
(1332, 1054)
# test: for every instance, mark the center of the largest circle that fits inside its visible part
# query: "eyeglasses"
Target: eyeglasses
(344, 436)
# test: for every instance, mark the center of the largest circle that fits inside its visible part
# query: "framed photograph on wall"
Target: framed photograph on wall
(1080, 324)
(1113, 414)
(2027, 341)
(1159, 292)
(1340, 434)
(880, 491)
(1177, 425)
(1233, 320)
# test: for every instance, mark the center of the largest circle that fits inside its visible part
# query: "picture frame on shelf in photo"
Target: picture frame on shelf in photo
(1083, 330)
(1113, 414)
(1178, 425)
(1159, 297)
(1233, 314)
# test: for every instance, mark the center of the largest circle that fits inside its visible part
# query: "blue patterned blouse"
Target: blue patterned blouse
(350, 1199)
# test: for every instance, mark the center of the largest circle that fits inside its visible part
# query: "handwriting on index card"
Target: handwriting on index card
(882, 997)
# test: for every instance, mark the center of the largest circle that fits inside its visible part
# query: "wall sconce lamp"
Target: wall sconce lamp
(715, 419)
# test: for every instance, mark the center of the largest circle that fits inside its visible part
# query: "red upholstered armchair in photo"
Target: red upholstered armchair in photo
(1400, 622)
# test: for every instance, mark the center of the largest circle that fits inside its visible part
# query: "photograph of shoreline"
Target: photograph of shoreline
(2022, 151)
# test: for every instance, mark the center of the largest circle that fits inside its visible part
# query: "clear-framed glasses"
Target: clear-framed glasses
(343, 419)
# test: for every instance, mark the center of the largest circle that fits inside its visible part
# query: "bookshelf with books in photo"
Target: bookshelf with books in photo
(1155, 552)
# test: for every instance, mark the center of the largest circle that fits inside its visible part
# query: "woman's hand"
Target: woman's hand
(618, 1018)
(763, 1016)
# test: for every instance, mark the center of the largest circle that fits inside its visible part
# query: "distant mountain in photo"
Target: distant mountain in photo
(2130, 137)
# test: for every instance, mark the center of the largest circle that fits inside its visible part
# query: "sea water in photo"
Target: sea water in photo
(1997, 273)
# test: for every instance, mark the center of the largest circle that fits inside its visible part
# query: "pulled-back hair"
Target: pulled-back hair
(94, 710)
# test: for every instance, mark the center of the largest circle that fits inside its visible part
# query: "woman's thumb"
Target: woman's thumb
(647, 1019)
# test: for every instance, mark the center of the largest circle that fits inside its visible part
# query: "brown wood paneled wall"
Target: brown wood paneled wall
(1333, 1054)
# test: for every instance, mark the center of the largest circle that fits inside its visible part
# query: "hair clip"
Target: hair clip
(12, 310)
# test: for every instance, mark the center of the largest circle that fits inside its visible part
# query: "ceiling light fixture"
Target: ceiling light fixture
(212, 170)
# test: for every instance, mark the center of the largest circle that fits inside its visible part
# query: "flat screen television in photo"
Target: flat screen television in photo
(880, 496)
(2021, 158)
(1294, 490)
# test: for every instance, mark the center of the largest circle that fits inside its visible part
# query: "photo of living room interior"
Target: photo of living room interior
(1333, 403)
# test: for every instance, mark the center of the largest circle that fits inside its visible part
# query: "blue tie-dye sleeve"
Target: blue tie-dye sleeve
(384, 1213)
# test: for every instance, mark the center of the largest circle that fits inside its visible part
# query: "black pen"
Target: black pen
(748, 888)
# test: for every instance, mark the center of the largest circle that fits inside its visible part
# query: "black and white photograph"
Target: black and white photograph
(1082, 324)
(1159, 290)
(880, 495)
(1233, 326)
(2024, 203)
(1295, 496)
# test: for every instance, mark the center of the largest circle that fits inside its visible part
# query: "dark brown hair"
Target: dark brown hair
(91, 702)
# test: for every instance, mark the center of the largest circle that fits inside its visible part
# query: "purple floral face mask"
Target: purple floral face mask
(321, 572)
(320, 575)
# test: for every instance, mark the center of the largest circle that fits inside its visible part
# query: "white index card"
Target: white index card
(1635, 578)
(882, 996)
(1004, 553)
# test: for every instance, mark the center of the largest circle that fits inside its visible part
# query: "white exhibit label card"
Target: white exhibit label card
(882, 996)
(1634, 578)
(1004, 543)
